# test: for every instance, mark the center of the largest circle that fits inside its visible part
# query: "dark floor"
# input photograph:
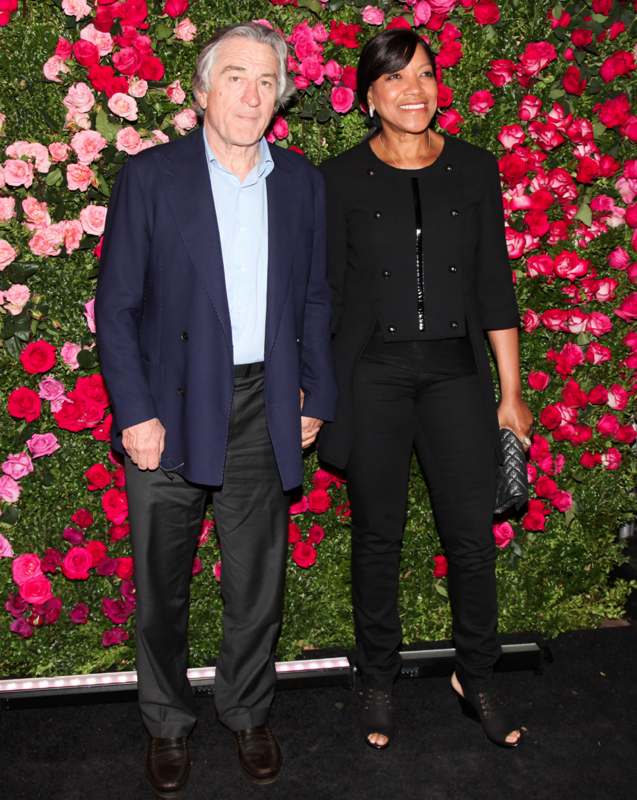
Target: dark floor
(581, 716)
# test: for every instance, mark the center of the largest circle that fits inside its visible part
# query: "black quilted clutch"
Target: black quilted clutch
(512, 487)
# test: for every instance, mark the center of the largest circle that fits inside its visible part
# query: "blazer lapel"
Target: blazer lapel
(283, 209)
(193, 206)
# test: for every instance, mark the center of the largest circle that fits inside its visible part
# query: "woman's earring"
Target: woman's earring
(371, 111)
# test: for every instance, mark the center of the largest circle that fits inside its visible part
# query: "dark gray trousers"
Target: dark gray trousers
(251, 514)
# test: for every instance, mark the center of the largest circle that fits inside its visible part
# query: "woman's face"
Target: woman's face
(406, 100)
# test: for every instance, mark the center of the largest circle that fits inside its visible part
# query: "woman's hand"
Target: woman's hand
(516, 415)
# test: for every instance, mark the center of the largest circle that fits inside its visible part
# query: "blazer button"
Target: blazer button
(448, 168)
(298, 340)
(184, 336)
(181, 391)
(454, 212)
(453, 268)
(386, 273)
(370, 172)
(453, 324)
(377, 215)
(392, 329)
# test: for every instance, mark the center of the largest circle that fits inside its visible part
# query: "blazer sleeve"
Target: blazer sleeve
(336, 243)
(317, 371)
(496, 294)
(119, 300)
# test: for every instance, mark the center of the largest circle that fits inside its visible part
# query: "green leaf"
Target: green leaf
(13, 347)
(162, 31)
(441, 588)
(599, 129)
(107, 128)
(323, 116)
(10, 515)
(312, 5)
(584, 214)
(8, 328)
(557, 10)
(557, 92)
(583, 338)
(54, 177)
(86, 359)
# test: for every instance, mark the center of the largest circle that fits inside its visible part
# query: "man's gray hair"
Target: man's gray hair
(257, 33)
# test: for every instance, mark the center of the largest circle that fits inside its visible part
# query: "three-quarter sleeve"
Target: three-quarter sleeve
(496, 296)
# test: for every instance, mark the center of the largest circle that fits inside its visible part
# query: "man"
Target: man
(213, 333)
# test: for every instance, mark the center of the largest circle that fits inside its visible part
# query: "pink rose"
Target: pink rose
(93, 218)
(43, 444)
(184, 120)
(36, 590)
(73, 233)
(25, 566)
(16, 297)
(76, 8)
(48, 241)
(373, 15)
(7, 208)
(89, 313)
(88, 145)
(280, 128)
(18, 172)
(607, 425)
(333, 71)
(69, 353)
(79, 98)
(17, 465)
(7, 254)
(617, 397)
(101, 39)
(611, 459)
(137, 87)
(50, 389)
(598, 324)
(597, 353)
(36, 212)
(175, 93)
(80, 177)
(185, 30)
(128, 141)
(122, 105)
(6, 551)
(342, 99)
(52, 68)
(628, 308)
(159, 137)
(503, 533)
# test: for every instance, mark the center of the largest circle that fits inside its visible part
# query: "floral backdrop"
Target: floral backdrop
(547, 87)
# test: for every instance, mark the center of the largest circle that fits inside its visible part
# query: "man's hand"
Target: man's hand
(144, 443)
(310, 426)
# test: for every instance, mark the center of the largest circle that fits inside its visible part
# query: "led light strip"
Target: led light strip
(128, 680)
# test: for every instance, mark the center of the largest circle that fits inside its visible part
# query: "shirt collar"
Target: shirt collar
(264, 166)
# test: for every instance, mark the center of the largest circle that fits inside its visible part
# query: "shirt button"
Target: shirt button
(453, 324)
(392, 329)
(298, 340)
(454, 212)
(370, 172)
(377, 214)
(386, 273)
(453, 268)
(448, 168)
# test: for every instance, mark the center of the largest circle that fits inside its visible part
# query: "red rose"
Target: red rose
(78, 415)
(151, 69)
(573, 81)
(590, 460)
(501, 72)
(294, 533)
(91, 387)
(581, 37)
(86, 53)
(125, 568)
(115, 505)
(440, 566)
(573, 395)
(598, 395)
(77, 563)
(615, 111)
(445, 95)
(545, 487)
(83, 518)
(175, 8)
(449, 54)
(117, 532)
(98, 551)
(602, 7)
(23, 403)
(102, 432)
(114, 636)
(620, 63)
(103, 79)
(98, 477)
(398, 23)
(316, 534)
(450, 120)
(538, 380)
(550, 417)
(103, 19)
(38, 357)
(318, 501)
(607, 425)
(133, 13)
(535, 518)
(344, 34)
(36, 590)
(127, 61)
(303, 555)
(562, 500)
(536, 56)
(63, 48)
(486, 12)
(512, 168)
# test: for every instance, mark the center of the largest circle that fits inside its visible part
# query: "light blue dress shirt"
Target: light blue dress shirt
(242, 218)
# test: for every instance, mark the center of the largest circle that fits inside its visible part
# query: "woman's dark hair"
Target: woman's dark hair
(389, 51)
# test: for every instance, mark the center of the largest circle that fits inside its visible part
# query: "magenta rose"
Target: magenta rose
(318, 501)
(24, 567)
(36, 590)
(316, 534)
(77, 563)
(503, 533)
(342, 99)
(115, 505)
(114, 636)
(42, 444)
(79, 614)
(294, 533)
(440, 566)
(303, 555)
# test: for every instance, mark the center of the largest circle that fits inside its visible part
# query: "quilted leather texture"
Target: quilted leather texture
(512, 489)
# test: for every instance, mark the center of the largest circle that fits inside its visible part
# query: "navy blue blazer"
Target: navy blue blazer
(163, 325)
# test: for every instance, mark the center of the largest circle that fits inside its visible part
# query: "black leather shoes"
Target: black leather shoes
(259, 754)
(168, 766)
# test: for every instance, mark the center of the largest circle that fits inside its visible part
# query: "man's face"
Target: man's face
(243, 89)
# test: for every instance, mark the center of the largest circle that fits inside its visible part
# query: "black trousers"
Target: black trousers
(399, 405)
(251, 514)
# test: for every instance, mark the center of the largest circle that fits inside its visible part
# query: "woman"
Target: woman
(419, 272)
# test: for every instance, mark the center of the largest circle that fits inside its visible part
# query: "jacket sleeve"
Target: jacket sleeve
(119, 300)
(496, 295)
(317, 371)
(336, 245)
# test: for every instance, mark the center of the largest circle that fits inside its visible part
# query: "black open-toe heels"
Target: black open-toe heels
(375, 714)
(481, 703)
